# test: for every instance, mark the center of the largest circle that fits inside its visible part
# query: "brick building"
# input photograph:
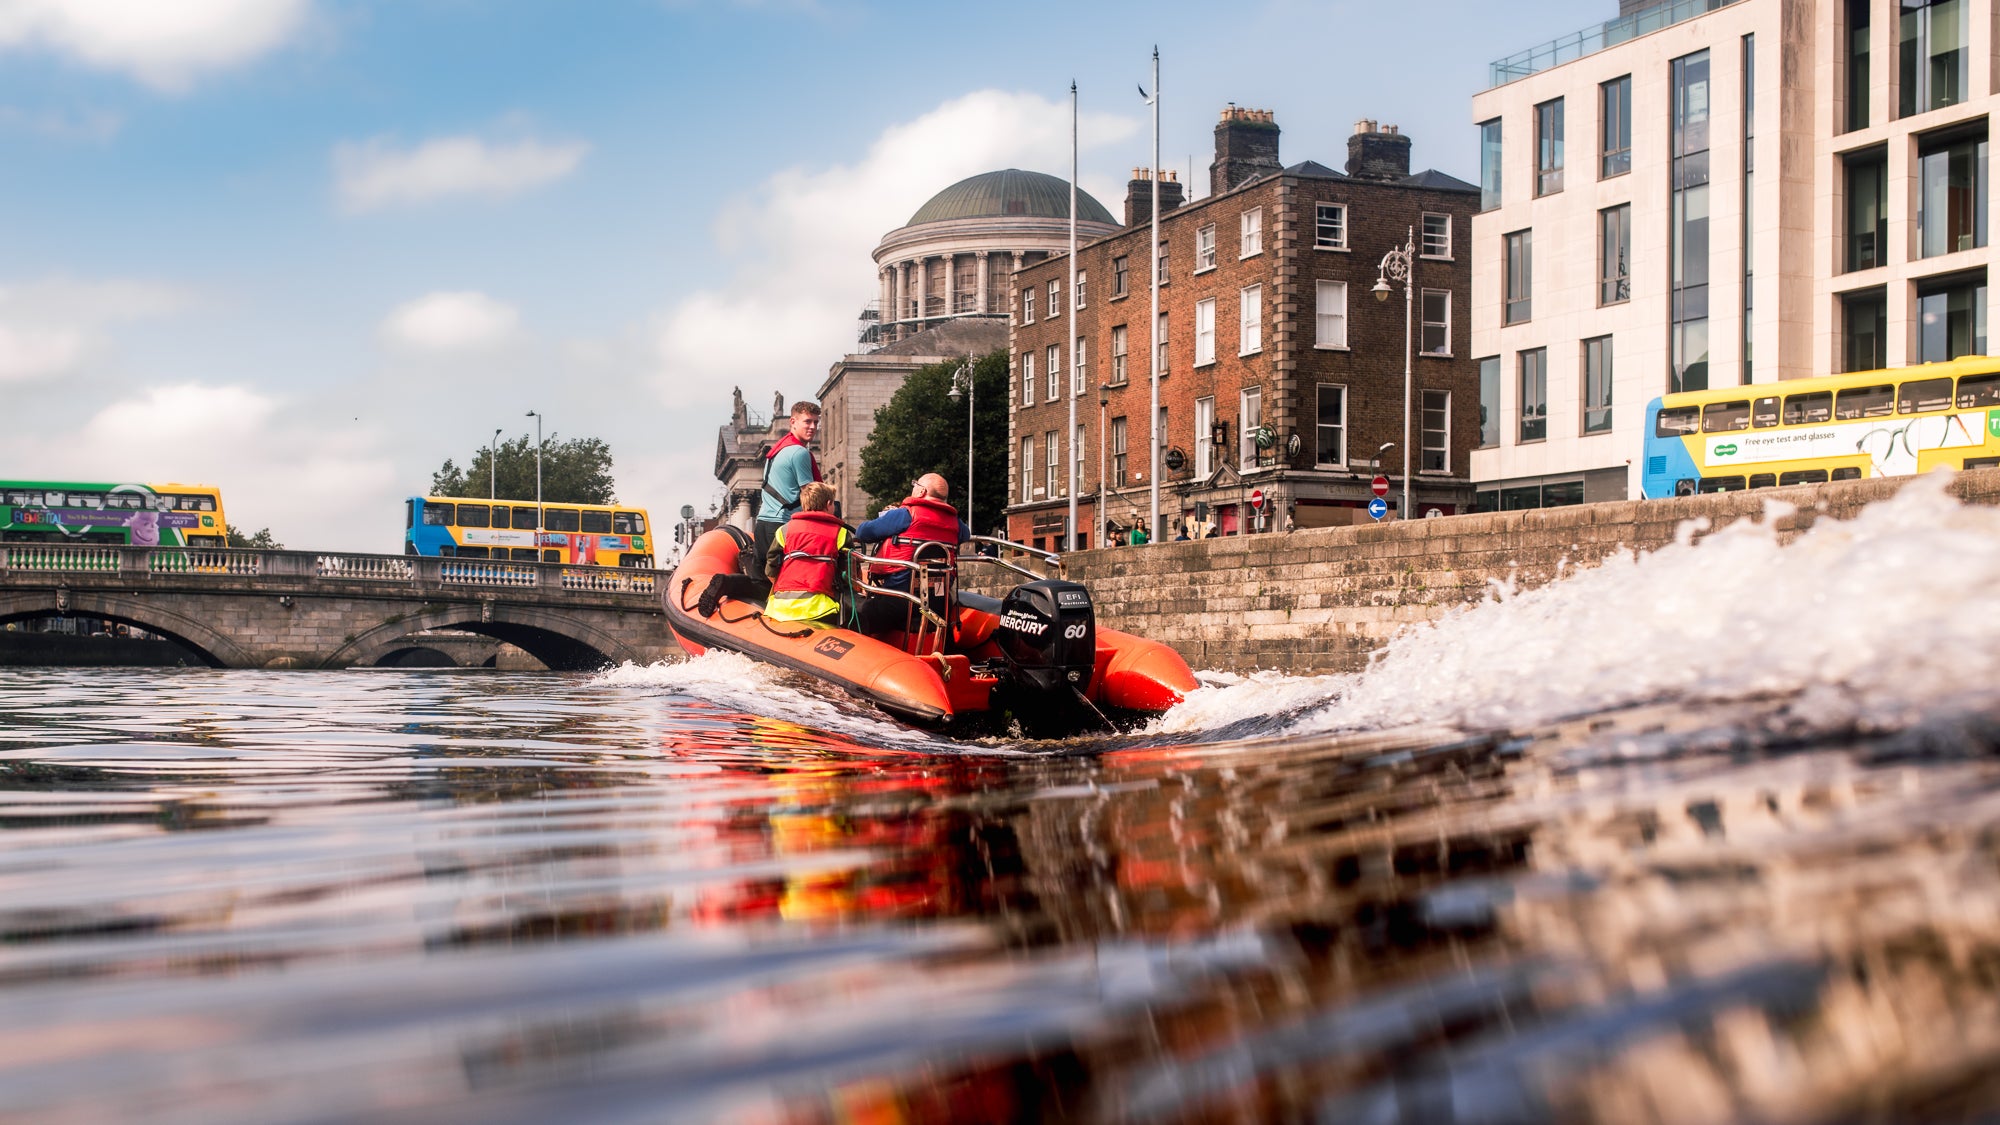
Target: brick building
(1280, 374)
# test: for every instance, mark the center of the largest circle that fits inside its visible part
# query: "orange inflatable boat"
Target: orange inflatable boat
(1036, 656)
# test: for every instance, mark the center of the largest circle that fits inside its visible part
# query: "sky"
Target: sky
(306, 250)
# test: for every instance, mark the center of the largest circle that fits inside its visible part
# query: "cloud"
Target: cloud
(53, 328)
(165, 44)
(451, 322)
(374, 174)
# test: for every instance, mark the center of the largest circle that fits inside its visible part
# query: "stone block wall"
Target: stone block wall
(1322, 600)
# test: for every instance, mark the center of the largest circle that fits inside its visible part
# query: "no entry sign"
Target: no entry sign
(1257, 498)
(1381, 486)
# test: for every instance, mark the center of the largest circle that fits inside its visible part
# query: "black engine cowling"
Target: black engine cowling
(1048, 633)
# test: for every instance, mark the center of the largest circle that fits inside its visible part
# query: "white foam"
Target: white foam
(1883, 619)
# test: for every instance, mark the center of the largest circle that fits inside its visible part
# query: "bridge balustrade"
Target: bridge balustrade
(50, 558)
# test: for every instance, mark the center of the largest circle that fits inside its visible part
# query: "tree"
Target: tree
(261, 540)
(577, 471)
(922, 430)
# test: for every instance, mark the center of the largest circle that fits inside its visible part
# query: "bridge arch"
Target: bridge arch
(555, 638)
(213, 648)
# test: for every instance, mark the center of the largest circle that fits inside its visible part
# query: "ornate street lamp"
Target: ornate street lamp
(1397, 266)
(961, 383)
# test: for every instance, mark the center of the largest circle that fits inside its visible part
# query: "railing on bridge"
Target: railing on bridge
(240, 562)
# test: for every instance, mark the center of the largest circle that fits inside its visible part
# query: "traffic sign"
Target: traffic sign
(1257, 498)
(1381, 486)
(1378, 507)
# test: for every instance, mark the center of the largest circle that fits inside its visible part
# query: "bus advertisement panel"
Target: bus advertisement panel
(143, 515)
(578, 534)
(1842, 427)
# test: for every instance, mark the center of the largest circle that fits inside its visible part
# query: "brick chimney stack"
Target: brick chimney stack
(1139, 196)
(1246, 146)
(1377, 154)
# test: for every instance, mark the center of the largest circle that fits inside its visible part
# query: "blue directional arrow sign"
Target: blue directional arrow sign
(1378, 507)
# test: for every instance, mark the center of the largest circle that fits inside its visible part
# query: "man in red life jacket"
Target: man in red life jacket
(923, 518)
(788, 466)
(806, 560)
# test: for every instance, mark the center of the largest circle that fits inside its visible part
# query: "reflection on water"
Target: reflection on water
(705, 893)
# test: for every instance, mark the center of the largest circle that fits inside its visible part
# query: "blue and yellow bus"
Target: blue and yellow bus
(579, 534)
(1841, 427)
(145, 515)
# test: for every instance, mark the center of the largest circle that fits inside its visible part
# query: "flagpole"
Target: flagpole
(1075, 376)
(1153, 253)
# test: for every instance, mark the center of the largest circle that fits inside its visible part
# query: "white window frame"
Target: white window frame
(1052, 463)
(1078, 366)
(1028, 305)
(1340, 428)
(1425, 323)
(1028, 469)
(1119, 437)
(1338, 213)
(1253, 233)
(1082, 283)
(1204, 437)
(1425, 445)
(1250, 320)
(1434, 247)
(1053, 369)
(1204, 248)
(1078, 443)
(1028, 377)
(1204, 332)
(1055, 300)
(1120, 343)
(1160, 328)
(1330, 315)
(1121, 275)
(1249, 416)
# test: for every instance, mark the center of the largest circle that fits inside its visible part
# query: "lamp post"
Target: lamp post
(963, 378)
(493, 467)
(536, 415)
(1398, 265)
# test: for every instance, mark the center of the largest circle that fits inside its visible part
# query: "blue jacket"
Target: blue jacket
(891, 523)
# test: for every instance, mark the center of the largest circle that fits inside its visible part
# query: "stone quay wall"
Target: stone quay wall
(1320, 601)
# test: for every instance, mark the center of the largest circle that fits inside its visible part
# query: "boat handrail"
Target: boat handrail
(1049, 557)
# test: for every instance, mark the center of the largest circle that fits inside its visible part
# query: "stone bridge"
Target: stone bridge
(302, 609)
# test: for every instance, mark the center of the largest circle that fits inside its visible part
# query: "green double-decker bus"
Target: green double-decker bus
(145, 515)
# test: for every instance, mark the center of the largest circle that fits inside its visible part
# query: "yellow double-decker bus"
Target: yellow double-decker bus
(578, 534)
(1887, 423)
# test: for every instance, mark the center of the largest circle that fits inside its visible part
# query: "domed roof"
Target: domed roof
(993, 195)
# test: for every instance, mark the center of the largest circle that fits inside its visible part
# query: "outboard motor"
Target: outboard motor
(1048, 633)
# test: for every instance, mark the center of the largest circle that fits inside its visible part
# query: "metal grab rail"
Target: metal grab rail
(1049, 557)
(928, 580)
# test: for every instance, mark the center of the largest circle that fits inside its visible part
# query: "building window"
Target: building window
(1435, 336)
(1117, 451)
(1118, 345)
(1330, 226)
(1027, 378)
(1250, 321)
(1687, 225)
(1857, 63)
(1330, 433)
(1160, 265)
(1437, 235)
(1076, 447)
(1204, 248)
(1027, 305)
(1204, 332)
(1749, 228)
(1331, 315)
(1055, 299)
(1549, 147)
(1251, 420)
(1078, 372)
(1160, 334)
(1253, 232)
(1951, 318)
(1489, 402)
(1867, 213)
(1597, 385)
(1614, 100)
(1534, 395)
(1053, 364)
(1933, 71)
(1520, 276)
(1864, 330)
(1436, 432)
(1027, 469)
(1489, 164)
(1082, 283)
(1121, 271)
(1051, 465)
(1204, 437)
(1951, 199)
(1614, 254)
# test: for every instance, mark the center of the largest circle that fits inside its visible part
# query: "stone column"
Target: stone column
(886, 289)
(981, 299)
(896, 317)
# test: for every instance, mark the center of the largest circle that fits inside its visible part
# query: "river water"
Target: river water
(1702, 836)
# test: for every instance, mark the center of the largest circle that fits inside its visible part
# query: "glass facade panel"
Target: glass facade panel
(1615, 111)
(1549, 147)
(1614, 254)
(1857, 64)
(1688, 225)
(1867, 214)
(1951, 320)
(1597, 385)
(1489, 164)
(1489, 402)
(1534, 395)
(1520, 276)
(1864, 331)
(1933, 39)
(1951, 200)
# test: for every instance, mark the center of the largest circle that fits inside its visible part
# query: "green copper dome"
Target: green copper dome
(995, 195)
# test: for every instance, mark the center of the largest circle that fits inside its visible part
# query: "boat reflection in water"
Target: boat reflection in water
(1607, 883)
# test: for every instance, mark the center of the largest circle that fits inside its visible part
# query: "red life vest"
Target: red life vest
(786, 442)
(931, 521)
(807, 534)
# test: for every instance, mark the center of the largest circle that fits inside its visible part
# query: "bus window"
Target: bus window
(1851, 472)
(1677, 420)
(471, 552)
(1801, 410)
(1978, 390)
(1764, 412)
(1865, 402)
(410, 515)
(1721, 484)
(436, 514)
(1722, 416)
(1763, 480)
(1982, 462)
(1923, 395)
(597, 523)
(560, 519)
(629, 523)
(475, 515)
(552, 555)
(524, 520)
(1803, 476)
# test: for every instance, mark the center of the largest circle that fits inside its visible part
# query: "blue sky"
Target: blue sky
(306, 249)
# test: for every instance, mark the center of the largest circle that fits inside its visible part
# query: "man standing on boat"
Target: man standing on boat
(926, 517)
(806, 560)
(788, 467)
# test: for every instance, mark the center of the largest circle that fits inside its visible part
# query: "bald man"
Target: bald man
(925, 517)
